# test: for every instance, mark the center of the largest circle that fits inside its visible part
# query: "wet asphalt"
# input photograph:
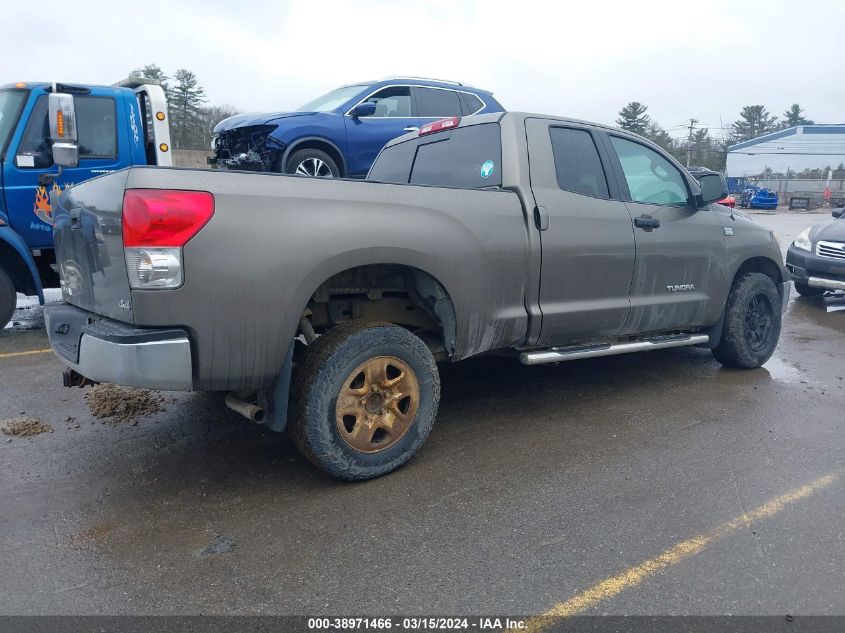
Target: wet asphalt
(536, 483)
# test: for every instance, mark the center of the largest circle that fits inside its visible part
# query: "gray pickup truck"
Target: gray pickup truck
(323, 306)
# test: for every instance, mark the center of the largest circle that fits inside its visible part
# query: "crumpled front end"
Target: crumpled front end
(249, 148)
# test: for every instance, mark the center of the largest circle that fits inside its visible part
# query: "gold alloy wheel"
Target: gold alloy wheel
(377, 404)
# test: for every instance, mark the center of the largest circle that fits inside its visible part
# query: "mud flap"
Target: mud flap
(275, 400)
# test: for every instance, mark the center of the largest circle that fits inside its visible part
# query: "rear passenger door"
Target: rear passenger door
(680, 266)
(586, 234)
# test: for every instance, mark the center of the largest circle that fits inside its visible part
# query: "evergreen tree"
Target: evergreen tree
(633, 118)
(753, 121)
(151, 71)
(795, 116)
(186, 100)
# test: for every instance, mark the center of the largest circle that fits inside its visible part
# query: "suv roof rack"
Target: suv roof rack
(442, 81)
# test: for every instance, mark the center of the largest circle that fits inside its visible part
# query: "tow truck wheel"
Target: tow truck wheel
(752, 323)
(8, 298)
(312, 162)
(363, 400)
(808, 291)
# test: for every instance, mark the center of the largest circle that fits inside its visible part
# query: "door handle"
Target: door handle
(647, 223)
(411, 128)
(541, 218)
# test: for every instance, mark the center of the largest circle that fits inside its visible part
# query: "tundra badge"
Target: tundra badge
(680, 288)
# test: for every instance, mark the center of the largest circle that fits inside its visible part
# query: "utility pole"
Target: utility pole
(692, 123)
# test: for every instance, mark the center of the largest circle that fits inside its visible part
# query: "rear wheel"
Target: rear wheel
(8, 298)
(752, 323)
(312, 162)
(364, 399)
(808, 291)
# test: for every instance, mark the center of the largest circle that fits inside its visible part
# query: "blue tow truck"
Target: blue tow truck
(116, 126)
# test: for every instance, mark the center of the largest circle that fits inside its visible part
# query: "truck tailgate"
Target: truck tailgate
(89, 246)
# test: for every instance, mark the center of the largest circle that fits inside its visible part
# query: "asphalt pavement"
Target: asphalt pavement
(657, 483)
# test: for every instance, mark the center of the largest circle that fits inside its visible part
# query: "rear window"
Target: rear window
(577, 162)
(467, 158)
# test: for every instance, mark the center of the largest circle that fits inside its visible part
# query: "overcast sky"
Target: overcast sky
(587, 59)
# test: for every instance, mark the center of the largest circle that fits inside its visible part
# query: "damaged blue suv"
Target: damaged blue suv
(341, 133)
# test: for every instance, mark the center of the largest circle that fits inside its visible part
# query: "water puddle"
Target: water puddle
(782, 371)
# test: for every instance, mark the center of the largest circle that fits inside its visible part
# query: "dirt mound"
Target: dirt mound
(115, 404)
(24, 426)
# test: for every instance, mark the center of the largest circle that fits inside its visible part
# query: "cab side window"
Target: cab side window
(577, 162)
(651, 178)
(96, 125)
(36, 136)
(394, 101)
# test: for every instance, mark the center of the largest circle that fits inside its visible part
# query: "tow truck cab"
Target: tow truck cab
(115, 127)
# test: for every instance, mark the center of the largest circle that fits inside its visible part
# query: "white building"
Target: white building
(795, 149)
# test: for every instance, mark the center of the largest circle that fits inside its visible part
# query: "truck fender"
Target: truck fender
(15, 255)
(305, 140)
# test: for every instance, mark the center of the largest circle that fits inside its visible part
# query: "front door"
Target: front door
(586, 236)
(97, 119)
(366, 136)
(680, 267)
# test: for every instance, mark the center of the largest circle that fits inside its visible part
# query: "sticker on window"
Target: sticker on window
(487, 168)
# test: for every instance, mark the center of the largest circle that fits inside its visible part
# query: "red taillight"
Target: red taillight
(162, 217)
(437, 126)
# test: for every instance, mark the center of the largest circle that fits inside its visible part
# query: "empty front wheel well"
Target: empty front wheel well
(391, 293)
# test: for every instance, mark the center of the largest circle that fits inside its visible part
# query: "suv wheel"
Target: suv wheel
(752, 323)
(8, 299)
(363, 400)
(312, 162)
(808, 291)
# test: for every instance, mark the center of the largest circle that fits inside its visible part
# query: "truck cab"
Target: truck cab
(116, 126)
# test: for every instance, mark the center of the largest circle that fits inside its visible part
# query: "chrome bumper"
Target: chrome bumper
(105, 350)
(827, 284)
(149, 365)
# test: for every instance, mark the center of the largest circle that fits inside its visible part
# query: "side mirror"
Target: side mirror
(713, 187)
(838, 213)
(368, 108)
(63, 129)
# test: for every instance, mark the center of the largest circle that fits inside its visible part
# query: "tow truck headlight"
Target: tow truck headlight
(154, 267)
(803, 241)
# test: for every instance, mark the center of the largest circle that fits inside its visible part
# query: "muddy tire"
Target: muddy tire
(363, 400)
(808, 291)
(312, 162)
(752, 323)
(8, 298)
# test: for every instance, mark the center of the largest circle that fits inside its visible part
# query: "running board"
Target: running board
(560, 354)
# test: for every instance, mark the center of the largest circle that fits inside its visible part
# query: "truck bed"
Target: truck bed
(273, 240)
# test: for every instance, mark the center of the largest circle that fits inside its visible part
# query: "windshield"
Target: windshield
(11, 102)
(332, 100)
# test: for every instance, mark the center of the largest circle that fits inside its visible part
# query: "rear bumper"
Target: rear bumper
(105, 350)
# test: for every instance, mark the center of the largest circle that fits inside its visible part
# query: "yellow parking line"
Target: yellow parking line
(29, 353)
(635, 575)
